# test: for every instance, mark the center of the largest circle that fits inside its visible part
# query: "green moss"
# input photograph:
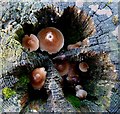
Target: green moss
(20, 32)
(74, 101)
(24, 80)
(8, 92)
(22, 83)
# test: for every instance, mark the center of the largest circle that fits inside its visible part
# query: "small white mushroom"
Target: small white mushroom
(78, 87)
(81, 93)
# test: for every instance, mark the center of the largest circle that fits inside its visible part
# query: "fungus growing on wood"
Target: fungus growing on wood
(51, 40)
(81, 93)
(62, 67)
(38, 77)
(83, 66)
(30, 42)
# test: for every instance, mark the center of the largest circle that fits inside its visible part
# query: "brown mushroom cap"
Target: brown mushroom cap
(83, 66)
(72, 70)
(73, 75)
(30, 42)
(51, 40)
(62, 67)
(38, 77)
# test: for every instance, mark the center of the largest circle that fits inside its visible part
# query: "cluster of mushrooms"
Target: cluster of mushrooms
(48, 39)
(51, 40)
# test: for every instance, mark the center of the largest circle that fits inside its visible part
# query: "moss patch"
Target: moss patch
(8, 92)
(24, 80)
(74, 101)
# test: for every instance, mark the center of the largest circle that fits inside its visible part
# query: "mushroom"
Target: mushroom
(51, 40)
(72, 70)
(72, 74)
(73, 46)
(83, 66)
(77, 87)
(38, 77)
(30, 42)
(81, 93)
(62, 67)
(85, 42)
(73, 79)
